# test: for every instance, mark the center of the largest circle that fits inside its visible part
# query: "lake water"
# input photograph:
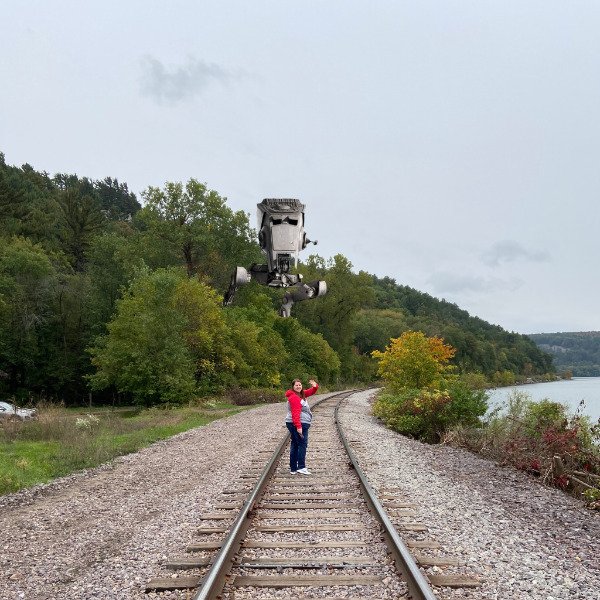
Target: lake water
(569, 392)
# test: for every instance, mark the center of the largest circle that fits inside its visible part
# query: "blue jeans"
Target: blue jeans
(298, 446)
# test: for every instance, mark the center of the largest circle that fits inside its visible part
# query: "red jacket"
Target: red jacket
(295, 403)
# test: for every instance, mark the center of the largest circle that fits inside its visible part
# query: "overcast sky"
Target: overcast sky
(451, 145)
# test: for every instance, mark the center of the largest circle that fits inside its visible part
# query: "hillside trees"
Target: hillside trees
(333, 315)
(114, 260)
(28, 281)
(480, 346)
(170, 341)
(116, 201)
(577, 352)
(164, 339)
(310, 356)
(193, 226)
(86, 209)
(83, 243)
(374, 328)
(79, 220)
(257, 351)
(28, 205)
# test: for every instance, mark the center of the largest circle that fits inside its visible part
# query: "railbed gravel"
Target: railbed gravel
(524, 540)
(103, 533)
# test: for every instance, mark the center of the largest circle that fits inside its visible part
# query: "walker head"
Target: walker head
(281, 237)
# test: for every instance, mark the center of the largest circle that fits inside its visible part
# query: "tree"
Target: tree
(28, 206)
(194, 225)
(424, 399)
(113, 261)
(310, 356)
(414, 361)
(373, 328)
(165, 342)
(27, 281)
(80, 220)
(257, 350)
(333, 315)
(63, 368)
(116, 201)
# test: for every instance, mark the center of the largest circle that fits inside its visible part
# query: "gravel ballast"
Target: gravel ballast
(105, 532)
(523, 540)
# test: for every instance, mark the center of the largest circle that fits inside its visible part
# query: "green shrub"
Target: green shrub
(428, 414)
(592, 498)
(504, 378)
(541, 415)
(541, 437)
(475, 381)
(468, 404)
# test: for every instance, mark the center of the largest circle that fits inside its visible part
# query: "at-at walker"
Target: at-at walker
(281, 237)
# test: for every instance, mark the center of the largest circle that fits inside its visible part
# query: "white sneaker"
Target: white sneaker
(304, 471)
(293, 472)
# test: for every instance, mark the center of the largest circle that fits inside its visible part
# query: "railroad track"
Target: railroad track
(323, 535)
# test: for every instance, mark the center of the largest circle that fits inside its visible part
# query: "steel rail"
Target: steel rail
(418, 586)
(214, 581)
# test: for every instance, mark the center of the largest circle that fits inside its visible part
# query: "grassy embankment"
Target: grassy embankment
(61, 441)
(542, 438)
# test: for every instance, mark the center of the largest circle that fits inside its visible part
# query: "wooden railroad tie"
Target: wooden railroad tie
(291, 488)
(303, 545)
(298, 485)
(204, 546)
(314, 514)
(305, 581)
(210, 530)
(423, 544)
(435, 561)
(165, 584)
(186, 562)
(298, 506)
(411, 526)
(399, 505)
(308, 479)
(312, 496)
(322, 562)
(403, 513)
(290, 528)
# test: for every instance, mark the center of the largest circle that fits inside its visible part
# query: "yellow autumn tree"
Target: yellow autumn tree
(414, 361)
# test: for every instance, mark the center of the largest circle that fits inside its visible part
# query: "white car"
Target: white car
(10, 410)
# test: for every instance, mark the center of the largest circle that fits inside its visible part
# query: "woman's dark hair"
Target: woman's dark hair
(302, 390)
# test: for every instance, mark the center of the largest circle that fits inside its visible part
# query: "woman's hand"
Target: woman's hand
(299, 430)
(312, 382)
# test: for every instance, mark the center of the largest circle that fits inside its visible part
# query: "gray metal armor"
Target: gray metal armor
(281, 237)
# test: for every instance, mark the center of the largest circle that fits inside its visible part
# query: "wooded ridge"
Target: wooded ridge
(101, 295)
(577, 352)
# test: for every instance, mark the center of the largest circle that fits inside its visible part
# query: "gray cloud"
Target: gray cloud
(171, 85)
(444, 282)
(511, 251)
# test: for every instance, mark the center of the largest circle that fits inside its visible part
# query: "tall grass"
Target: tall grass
(542, 438)
(61, 441)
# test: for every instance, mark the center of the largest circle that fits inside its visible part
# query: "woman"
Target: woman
(298, 421)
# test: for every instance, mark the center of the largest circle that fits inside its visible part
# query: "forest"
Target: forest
(577, 352)
(108, 297)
